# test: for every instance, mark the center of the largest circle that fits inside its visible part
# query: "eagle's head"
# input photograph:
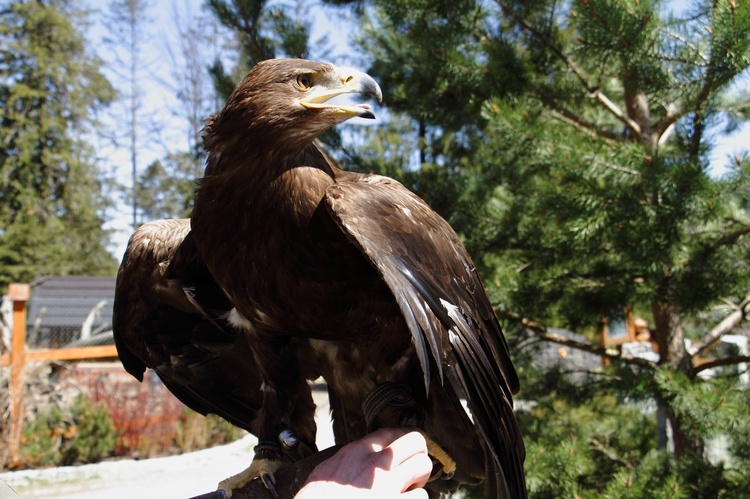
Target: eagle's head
(284, 104)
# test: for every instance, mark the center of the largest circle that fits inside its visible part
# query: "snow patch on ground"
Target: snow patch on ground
(181, 476)
(172, 477)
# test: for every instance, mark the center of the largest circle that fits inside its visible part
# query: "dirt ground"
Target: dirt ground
(173, 477)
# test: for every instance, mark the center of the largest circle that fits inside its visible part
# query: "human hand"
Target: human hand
(388, 463)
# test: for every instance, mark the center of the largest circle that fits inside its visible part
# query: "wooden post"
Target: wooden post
(19, 294)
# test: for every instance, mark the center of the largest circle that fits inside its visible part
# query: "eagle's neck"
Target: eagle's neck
(257, 212)
(256, 178)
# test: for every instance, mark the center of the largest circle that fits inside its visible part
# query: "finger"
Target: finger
(407, 446)
(412, 473)
(382, 438)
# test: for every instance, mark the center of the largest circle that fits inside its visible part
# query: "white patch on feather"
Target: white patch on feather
(452, 337)
(451, 309)
(190, 295)
(454, 314)
(266, 388)
(467, 409)
(406, 211)
(236, 319)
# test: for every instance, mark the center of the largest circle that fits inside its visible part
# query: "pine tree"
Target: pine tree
(166, 187)
(617, 113)
(50, 193)
(263, 30)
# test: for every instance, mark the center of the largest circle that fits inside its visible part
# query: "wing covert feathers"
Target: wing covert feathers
(170, 316)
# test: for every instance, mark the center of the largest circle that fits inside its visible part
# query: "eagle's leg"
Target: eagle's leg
(266, 462)
(286, 429)
(268, 459)
(268, 452)
(396, 396)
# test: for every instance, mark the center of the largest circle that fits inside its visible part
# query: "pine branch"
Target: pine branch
(634, 128)
(578, 120)
(594, 91)
(525, 24)
(727, 324)
(664, 127)
(674, 110)
(540, 331)
(609, 453)
(730, 238)
(726, 239)
(728, 361)
(559, 145)
(713, 82)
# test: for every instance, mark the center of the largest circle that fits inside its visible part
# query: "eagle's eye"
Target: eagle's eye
(303, 81)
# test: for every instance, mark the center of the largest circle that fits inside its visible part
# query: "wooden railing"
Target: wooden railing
(19, 355)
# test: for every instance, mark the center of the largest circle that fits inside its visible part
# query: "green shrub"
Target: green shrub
(85, 435)
(95, 434)
(41, 439)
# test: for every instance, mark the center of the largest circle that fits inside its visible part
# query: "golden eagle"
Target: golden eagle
(291, 268)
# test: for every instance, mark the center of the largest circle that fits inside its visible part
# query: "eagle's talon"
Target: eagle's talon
(448, 465)
(270, 482)
(259, 468)
(447, 476)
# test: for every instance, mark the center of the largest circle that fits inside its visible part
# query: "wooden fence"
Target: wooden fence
(19, 355)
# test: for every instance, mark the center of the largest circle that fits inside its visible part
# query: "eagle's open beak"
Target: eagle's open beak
(349, 81)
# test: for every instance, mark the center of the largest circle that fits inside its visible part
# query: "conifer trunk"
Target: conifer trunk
(670, 337)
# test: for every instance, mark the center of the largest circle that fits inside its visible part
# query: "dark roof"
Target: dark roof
(89, 286)
(67, 301)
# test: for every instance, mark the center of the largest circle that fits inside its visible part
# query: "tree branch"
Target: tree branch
(540, 331)
(728, 361)
(579, 121)
(663, 129)
(727, 324)
(558, 145)
(634, 127)
(609, 453)
(730, 238)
